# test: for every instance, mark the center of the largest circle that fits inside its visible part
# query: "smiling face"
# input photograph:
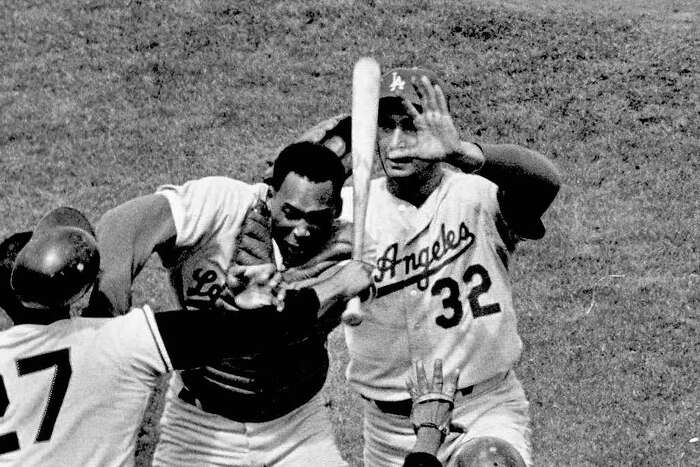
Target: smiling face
(302, 217)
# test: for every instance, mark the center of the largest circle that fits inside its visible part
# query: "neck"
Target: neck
(416, 188)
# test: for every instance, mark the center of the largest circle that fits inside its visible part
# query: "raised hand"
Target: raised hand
(256, 286)
(432, 400)
(437, 138)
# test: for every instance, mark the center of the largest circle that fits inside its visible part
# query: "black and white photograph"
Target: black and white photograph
(349, 233)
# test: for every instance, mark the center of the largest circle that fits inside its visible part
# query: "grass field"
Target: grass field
(101, 101)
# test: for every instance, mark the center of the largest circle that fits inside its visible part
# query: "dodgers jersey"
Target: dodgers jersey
(443, 289)
(208, 214)
(74, 392)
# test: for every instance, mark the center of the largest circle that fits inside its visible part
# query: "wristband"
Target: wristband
(435, 396)
(444, 429)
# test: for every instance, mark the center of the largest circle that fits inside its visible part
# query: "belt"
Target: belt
(403, 407)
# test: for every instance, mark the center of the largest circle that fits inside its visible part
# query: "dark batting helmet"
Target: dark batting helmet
(59, 263)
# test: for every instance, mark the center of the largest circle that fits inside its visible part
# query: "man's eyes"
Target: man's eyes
(322, 218)
(386, 123)
(390, 124)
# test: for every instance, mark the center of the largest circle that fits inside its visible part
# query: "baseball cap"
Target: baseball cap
(59, 263)
(398, 82)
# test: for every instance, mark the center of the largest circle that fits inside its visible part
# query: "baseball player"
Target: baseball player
(446, 218)
(262, 409)
(73, 390)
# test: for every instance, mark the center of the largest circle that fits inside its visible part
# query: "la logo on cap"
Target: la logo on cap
(397, 83)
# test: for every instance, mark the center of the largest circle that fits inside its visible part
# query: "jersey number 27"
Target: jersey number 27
(453, 302)
(61, 360)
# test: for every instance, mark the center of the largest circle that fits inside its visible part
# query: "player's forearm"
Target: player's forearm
(127, 236)
(329, 293)
(511, 167)
(527, 177)
(349, 281)
(428, 440)
(516, 169)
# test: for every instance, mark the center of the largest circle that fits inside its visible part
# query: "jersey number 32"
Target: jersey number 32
(57, 391)
(452, 301)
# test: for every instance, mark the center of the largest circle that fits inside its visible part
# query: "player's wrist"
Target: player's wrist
(429, 437)
(468, 157)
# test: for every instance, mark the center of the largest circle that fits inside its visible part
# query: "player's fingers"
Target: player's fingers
(429, 90)
(336, 144)
(441, 100)
(410, 109)
(274, 281)
(450, 385)
(437, 375)
(421, 379)
(279, 298)
(421, 92)
(412, 388)
(314, 135)
(235, 276)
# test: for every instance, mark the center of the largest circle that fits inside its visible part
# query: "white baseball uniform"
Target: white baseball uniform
(208, 214)
(73, 392)
(443, 291)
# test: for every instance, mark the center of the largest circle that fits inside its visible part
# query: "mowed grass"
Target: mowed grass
(103, 101)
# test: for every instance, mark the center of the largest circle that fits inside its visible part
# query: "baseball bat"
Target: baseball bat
(363, 137)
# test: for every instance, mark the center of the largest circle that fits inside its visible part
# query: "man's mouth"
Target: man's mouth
(398, 160)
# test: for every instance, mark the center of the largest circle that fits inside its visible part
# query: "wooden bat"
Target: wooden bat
(363, 134)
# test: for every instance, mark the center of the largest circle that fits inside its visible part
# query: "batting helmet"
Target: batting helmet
(59, 263)
(489, 451)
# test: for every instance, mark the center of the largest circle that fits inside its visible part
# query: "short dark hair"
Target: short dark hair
(309, 160)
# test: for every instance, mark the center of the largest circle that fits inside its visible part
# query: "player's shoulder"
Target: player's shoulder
(214, 183)
(64, 331)
(215, 191)
(457, 183)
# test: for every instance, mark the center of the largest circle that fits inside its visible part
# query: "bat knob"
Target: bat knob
(351, 320)
(353, 315)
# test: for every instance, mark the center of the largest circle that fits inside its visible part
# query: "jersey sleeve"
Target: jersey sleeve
(489, 195)
(202, 207)
(134, 343)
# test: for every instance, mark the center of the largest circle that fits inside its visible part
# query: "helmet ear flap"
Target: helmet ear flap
(60, 262)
